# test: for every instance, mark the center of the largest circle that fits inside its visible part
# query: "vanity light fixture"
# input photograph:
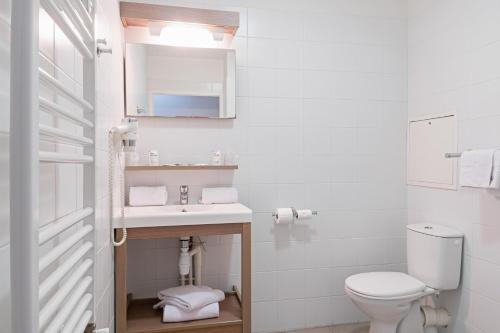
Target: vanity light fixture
(181, 26)
(185, 34)
(189, 31)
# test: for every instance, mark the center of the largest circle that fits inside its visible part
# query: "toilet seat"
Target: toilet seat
(384, 285)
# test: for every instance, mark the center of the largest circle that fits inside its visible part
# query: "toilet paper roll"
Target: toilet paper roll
(304, 214)
(283, 216)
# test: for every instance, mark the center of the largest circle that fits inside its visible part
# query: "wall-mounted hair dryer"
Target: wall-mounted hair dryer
(122, 138)
(125, 135)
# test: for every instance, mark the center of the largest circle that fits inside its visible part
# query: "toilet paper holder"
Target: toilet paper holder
(295, 214)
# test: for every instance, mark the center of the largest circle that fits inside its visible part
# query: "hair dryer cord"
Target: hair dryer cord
(114, 154)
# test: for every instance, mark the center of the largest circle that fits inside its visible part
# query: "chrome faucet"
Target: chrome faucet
(184, 194)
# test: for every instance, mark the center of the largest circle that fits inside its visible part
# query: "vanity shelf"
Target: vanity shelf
(143, 319)
(186, 167)
(138, 316)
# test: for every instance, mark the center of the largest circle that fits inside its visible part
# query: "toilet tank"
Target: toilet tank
(434, 255)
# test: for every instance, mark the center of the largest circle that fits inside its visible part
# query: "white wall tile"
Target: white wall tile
(265, 316)
(290, 284)
(317, 141)
(266, 257)
(291, 314)
(321, 103)
(319, 311)
(265, 286)
(452, 66)
(262, 82)
(274, 24)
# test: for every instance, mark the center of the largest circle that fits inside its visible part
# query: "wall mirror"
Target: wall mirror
(172, 81)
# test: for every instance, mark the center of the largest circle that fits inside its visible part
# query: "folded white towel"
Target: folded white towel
(173, 314)
(476, 167)
(219, 195)
(189, 298)
(495, 177)
(147, 196)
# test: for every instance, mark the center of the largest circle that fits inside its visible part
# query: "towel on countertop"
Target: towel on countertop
(173, 314)
(147, 196)
(189, 298)
(219, 195)
(476, 168)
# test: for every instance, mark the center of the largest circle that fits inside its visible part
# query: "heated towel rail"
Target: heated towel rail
(52, 289)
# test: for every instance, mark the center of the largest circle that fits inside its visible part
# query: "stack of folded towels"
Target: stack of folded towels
(187, 303)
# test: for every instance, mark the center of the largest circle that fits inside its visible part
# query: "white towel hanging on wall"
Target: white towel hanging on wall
(480, 168)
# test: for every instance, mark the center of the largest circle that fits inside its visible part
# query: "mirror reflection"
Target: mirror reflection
(169, 81)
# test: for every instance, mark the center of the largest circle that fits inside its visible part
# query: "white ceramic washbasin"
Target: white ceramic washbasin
(172, 215)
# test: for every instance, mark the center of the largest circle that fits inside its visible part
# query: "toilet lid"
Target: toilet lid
(384, 284)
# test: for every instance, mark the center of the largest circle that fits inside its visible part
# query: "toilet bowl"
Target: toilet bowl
(392, 299)
(385, 297)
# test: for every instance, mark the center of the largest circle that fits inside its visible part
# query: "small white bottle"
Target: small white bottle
(154, 157)
(216, 158)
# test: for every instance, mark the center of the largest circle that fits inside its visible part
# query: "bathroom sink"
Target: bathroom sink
(176, 208)
(176, 215)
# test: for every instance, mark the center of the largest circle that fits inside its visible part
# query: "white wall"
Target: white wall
(321, 115)
(4, 165)
(110, 109)
(454, 52)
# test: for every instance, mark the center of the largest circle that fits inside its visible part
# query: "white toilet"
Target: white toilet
(391, 299)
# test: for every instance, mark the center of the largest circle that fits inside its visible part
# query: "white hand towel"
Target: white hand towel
(189, 298)
(147, 196)
(173, 314)
(476, 167)
(495, 177)
(219, 195)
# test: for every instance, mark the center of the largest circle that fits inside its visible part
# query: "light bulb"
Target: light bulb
(179, 34)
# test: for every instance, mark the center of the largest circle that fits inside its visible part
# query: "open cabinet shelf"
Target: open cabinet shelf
(138, 316)
(142, 318)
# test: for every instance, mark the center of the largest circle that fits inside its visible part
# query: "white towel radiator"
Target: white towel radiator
(51, 291)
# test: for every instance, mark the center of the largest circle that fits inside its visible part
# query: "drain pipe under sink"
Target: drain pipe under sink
(185, 259)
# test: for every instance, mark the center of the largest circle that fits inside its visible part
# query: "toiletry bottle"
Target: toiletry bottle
(154, 157)
(216, 158)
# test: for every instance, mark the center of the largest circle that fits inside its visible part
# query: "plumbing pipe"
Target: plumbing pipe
(184, 259)
(184, 264)
(186, 256)
(191, 269)
(435, 316)
(196, 253)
